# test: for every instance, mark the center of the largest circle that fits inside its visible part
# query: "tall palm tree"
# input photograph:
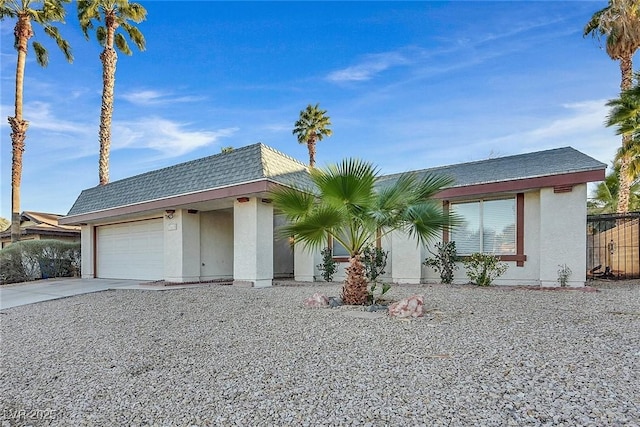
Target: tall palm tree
(115, 14)
(44, 13)
(311, 127)
(619, 23)
(352, 210)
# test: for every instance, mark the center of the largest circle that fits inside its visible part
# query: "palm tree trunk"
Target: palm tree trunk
(354, 290)
(626, 82)
(311, 145)
(109, 57)
(624, 182)
(23, 33)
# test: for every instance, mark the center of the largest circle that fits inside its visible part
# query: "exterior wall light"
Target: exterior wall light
(170, 213)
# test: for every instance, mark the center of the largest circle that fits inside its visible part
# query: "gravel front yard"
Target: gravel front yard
(222, 355)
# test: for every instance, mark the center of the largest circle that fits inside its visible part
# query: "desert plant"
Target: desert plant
(373, 299)
(483, 269)
(564, 272)
(444, 260)
(328, 266)
(375, 261)
(350, 208)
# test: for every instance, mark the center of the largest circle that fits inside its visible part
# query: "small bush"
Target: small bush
(39, 259)
(328, 266)
(483, 269)
(564, 272)
(375, 261)
(444, 260)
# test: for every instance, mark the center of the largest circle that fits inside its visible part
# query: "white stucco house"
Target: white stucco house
(212, 218)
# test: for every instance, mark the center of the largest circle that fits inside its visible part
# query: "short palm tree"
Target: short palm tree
(619, 23)
(115, 14)
(604, 198)
(311, 127)
(44, 13)
(625, 116)
(350, 208)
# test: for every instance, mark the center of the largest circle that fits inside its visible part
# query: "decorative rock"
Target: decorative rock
(335, 302)
(412, 306)
(318, 300)
(378, 307)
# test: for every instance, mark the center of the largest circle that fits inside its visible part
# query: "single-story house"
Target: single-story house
(42, 225)
(212, 218)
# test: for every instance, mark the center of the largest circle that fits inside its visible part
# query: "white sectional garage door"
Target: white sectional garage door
(131, 250)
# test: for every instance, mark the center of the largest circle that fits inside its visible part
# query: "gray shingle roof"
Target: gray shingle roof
(509, 168)
(258, 162)
(246, 164)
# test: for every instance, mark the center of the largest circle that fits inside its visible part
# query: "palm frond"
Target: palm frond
(292, 202)
(64, 45)
(42, 56)
(122, 45)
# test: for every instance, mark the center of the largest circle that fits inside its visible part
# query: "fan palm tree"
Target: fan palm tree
(619, 23)
(115, 14)
(311, 127)
(604, 198)
(353, 211)
(44, 13)
(625, 115)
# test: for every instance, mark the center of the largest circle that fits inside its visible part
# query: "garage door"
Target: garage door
(131, 250)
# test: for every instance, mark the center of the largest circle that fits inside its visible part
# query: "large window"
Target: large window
(489, 226)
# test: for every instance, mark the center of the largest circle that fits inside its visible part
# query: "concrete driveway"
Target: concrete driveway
(44, 290)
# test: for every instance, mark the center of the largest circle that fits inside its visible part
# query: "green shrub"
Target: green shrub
(444, 260)
(375, 261)
(37, 259)
(483, 269)
(328, 266)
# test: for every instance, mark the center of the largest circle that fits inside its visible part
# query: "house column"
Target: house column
(563, 224)
(182, 246)
(88, 251)
(253, 242)
(406, 258)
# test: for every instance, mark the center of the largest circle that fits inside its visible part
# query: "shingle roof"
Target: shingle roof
(260, 162)
(509, 168)
(247, 164)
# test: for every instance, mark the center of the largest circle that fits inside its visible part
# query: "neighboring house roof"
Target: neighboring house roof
(253, 168)
(44, 224)
(549, 168)
(244, 165)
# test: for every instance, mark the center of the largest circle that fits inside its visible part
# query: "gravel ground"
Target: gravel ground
(222, 355)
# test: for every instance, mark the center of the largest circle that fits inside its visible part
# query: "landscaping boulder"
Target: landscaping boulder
(317, 300)
(412, 306)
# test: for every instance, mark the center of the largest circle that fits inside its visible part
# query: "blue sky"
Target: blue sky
(408, 85)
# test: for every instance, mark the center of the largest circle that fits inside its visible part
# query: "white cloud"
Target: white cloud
(580, 126)
(370, 65)
(153, 97)
(170, 138)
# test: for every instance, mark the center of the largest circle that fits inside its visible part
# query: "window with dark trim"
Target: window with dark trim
(493, 226)
(341, 254)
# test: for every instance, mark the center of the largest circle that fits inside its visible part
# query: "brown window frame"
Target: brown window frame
(519, 257)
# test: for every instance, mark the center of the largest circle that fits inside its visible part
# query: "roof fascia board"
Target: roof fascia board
(234, 190)
(523, 184)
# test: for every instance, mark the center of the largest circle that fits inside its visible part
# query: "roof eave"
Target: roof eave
(524, 184)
